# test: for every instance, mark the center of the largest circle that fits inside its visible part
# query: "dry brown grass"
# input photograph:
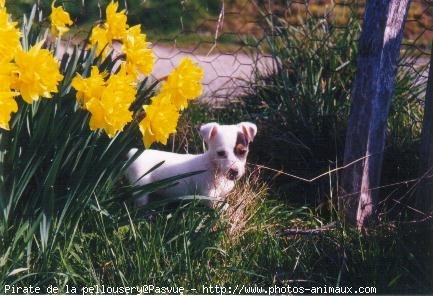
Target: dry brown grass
(244, 202)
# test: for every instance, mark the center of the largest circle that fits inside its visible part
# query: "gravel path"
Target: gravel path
(225, 75)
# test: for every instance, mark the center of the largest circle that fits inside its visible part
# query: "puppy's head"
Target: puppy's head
(228, 146)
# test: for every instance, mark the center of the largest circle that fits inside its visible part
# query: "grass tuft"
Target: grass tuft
(243, 203)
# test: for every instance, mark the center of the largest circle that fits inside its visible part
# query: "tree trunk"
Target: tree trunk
(379, 49)
(424, 194)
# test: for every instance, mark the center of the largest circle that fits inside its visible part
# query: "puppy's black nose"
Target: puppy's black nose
(233, 173)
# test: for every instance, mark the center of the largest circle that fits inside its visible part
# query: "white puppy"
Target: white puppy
(223, 163)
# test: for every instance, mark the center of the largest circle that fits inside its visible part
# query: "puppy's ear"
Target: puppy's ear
(249, 130)
(208, 131)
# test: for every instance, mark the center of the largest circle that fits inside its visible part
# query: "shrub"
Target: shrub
(157, 17)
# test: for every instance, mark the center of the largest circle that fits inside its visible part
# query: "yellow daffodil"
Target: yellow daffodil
(60, 20)
(160, 121)
(7, 70)
(91, 87)
(116, 98)
(37, 73)
(95, 107)
(2, 3)
(9, 36)
(114, 28)
(99, 38)
(115, 22)
(8, 104)
(184, 83)
(139, 58)
(111, 111)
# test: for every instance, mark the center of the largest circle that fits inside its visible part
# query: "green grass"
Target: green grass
(190, 246)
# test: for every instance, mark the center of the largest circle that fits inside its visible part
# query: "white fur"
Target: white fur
(214, 182)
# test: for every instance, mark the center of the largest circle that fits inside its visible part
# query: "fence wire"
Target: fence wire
(229, 37)
(231, 44)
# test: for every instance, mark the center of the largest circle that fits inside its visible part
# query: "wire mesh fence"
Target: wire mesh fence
(229, 37)
(230, 43)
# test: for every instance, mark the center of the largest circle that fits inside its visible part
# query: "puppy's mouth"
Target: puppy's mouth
(232, 176)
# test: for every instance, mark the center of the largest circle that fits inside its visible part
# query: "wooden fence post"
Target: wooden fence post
(379, 49)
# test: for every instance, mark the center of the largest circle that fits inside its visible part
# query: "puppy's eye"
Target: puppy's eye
(242, 152)
(221, 153)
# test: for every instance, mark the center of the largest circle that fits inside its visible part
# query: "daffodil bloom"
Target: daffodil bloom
(91, 87)
(99, 38)
(139, 58)
(116, 98)
(8, 104)
(183, 83)
(111, 110)
(60, 20)
(115, 22)
(9, 36)
(97, 120)
(160, 121)
(7, 70)
(37, 73)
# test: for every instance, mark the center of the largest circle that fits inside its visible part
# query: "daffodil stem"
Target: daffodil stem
(4, 138)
